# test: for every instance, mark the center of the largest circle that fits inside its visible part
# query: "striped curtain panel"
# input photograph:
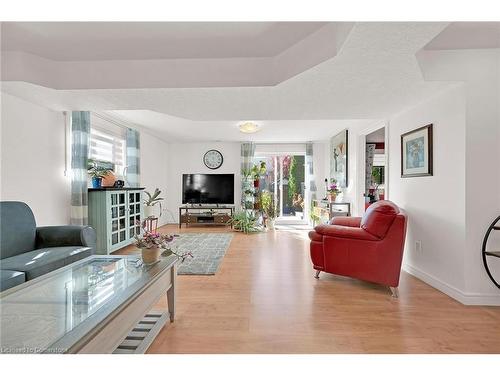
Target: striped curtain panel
(133, 158)
(310, 172)
(80, 134)
(310, 169)
(247, 154)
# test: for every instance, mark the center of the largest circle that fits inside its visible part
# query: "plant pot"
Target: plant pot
(150, 256)
(96, 182)
(149, 211)
(270, 224)
(108, 180)
(332, 197)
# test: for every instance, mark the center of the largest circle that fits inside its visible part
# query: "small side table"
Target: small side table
(335, 211)
(151, 224)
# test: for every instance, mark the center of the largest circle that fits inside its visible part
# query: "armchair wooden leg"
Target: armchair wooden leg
(317, 274)
(394, 291)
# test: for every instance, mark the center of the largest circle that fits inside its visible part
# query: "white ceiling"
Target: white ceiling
(373, 75)
(467, 35)
(179, 130)
(82, 41)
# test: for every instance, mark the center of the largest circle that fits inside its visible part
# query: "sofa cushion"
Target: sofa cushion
(10, 279)
(17, 229)
(41, 261)
(379, 217)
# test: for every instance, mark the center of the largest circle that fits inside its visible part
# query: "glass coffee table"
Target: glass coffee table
(100, 304)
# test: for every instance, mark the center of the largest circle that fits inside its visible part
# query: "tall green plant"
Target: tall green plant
(292, 179)
(268, 204)
(313, 216)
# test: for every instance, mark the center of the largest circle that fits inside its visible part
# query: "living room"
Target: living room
(203, 187)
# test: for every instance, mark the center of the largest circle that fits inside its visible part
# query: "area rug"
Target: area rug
(208, 250)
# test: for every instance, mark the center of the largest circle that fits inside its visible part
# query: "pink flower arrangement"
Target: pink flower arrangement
(152, 240)
(333, 187)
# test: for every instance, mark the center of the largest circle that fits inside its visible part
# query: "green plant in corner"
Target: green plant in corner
(245, 222)
(268, 205)
(292, 179)
(313, 216)
(152, 200)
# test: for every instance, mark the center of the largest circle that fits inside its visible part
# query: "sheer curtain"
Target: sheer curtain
(310, 169)
(310, 173)
(247, 155)
(133, 158)
(80, 134)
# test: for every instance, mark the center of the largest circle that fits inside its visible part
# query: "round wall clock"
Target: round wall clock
(213, 159)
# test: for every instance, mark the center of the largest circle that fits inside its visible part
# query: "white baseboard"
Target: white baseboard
(460, 296)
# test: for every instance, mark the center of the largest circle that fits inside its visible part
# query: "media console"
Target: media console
(205, 215)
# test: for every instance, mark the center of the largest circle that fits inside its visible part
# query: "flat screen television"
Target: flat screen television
(208, 188)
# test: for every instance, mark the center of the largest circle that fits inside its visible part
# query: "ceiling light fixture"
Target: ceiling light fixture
(249, 127)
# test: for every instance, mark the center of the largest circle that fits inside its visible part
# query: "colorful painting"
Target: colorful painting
(416, 152)
(339, 158)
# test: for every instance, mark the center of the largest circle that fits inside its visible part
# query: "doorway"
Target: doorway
(375, 167)
(285, 180)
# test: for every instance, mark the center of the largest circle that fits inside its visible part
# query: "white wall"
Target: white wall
(435, 204)
(154, 162)
(32, 158)
(188, 158)
(480, 71)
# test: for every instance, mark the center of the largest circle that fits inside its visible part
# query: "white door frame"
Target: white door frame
(279, 154)
(361, 164)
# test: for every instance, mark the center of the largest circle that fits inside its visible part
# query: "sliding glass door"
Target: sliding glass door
(285, 179)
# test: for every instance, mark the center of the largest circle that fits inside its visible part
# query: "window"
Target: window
(108, 146)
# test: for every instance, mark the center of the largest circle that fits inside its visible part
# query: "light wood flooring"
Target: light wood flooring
(264, 299)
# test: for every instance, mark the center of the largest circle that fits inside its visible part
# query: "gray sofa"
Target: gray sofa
(27, 252)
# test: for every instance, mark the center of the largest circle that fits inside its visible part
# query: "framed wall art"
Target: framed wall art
(416, 152)
(339, 158)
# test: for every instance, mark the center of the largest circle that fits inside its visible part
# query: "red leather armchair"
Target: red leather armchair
(368, 248)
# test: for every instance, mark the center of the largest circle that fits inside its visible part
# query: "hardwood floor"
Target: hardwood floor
(264, 299)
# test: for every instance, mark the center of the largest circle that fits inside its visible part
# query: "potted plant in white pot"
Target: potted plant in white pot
(151, 201)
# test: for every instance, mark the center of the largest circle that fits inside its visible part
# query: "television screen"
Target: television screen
(208, 188)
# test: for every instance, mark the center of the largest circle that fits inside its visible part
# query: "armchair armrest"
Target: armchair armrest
(66, 235)
(345, 232)
(346, 221)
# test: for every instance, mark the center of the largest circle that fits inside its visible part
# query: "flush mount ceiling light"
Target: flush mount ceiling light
(249, 127)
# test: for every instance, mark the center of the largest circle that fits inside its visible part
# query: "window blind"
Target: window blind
(107, 144)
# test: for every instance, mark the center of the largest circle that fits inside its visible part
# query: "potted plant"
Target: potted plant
(244, 221)
(258, 170)
(96, 172)
(154, 245)
(151, 201)
(269, 208)
(313, 215)
(332, 190)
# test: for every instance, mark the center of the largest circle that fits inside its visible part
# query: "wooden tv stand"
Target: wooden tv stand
(205, 215)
